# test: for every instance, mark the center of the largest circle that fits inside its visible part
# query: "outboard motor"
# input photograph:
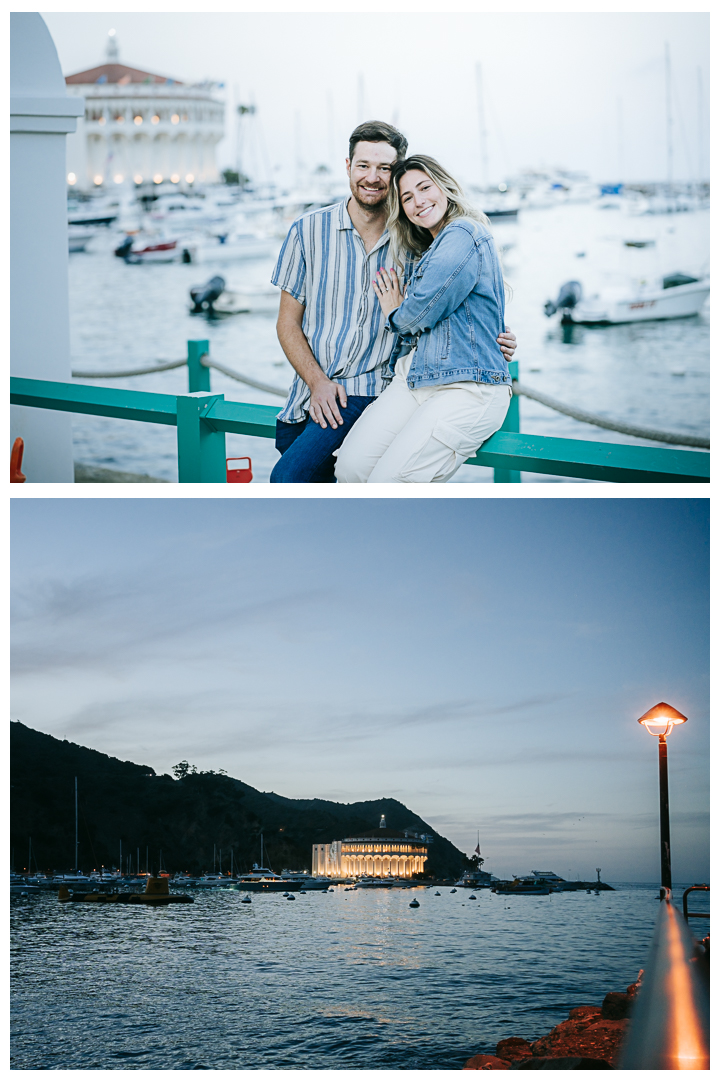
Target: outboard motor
(570, 294)
(125, 248)
(203, 296)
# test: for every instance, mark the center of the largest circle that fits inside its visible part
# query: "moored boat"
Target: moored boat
(676, 296)
(260, 879)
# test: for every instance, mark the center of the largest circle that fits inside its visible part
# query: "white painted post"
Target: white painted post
(41, 115)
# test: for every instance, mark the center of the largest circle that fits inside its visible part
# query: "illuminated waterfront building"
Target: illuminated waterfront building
(141, 128)
(382, 852)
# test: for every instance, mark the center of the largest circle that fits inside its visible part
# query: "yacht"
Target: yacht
(476, 879)
(19, 884)
(260, 879)
(306, 881)
(209, 881)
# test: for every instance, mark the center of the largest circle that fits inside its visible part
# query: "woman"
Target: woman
(450, 387)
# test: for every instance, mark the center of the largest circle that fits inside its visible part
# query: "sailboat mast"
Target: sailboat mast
(76, 828)
(668, 116)
(483, 129)
(261, 850)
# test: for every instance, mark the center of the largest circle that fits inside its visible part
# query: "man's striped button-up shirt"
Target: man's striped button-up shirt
(324, 265)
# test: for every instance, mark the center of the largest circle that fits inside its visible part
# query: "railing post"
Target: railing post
(510, 423)
(198, 376)
(201, 449)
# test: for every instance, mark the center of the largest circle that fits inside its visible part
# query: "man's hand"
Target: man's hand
(325, 397)
(507, 343)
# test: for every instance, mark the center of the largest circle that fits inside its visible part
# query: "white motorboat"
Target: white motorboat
(210, 881)
(260, 879)
(79, 236)
(20, 884)
(165, 251)
(676, 296)
(234, 247)
(306, 881)
(250, 299)
(71, 879)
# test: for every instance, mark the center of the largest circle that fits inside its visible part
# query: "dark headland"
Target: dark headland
(187, 819)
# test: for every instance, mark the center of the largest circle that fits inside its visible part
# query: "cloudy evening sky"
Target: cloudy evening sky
(572, 89)
(483, 661)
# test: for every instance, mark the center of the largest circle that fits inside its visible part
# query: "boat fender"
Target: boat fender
(16, 456)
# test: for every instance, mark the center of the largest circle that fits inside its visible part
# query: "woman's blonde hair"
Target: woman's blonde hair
(404, 236)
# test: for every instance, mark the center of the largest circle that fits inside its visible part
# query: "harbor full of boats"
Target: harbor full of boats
(263, 880)
(652, 372)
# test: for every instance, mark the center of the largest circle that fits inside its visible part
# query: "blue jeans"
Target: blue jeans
(307, 449)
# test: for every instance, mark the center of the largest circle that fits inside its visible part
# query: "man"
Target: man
(330, 326)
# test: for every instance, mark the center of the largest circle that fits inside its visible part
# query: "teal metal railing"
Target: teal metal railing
(203, 418)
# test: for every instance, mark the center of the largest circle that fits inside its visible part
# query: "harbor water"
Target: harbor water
(652, 374)
(343, 980)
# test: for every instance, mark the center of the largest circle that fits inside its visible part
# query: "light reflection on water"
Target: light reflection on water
(654, 374)
(337, 981)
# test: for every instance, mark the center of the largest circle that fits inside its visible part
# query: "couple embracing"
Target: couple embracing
(392, 314)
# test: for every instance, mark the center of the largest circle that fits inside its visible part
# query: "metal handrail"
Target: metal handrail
(694, 914)
(202, 418)
(670, 1024)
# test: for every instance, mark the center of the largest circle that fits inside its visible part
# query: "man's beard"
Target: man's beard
(373, 207)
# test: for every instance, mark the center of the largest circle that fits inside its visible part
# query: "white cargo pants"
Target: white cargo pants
(420, 436)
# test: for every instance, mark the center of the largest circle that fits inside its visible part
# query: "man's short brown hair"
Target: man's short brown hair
(378, 131)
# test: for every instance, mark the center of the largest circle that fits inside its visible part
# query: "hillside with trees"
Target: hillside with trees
(186, 816)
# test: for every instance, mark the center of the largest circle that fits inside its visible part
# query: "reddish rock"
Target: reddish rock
(563, 1063)
(486, 1061)
(616, 1006)
(582, 1012)
(590, 1037)
(512, 1049)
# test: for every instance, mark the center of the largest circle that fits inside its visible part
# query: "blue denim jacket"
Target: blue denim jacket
(453, 311)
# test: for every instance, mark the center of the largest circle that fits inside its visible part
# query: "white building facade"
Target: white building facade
(141, 128)
(381, 853)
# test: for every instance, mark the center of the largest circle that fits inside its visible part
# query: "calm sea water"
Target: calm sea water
(347, 980)
(654, 374)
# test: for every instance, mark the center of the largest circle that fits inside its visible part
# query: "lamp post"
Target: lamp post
(660, 720)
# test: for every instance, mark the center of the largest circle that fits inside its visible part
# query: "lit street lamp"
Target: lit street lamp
(660, 720)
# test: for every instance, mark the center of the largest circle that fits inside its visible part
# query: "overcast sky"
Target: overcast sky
(483, 661)
(576, 90)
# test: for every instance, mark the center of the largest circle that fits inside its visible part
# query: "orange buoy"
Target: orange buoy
(16, 456)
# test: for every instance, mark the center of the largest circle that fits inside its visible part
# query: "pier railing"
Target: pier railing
(203, 417)
(670, 1024)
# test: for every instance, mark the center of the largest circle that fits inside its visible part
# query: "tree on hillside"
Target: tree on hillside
(182, 769)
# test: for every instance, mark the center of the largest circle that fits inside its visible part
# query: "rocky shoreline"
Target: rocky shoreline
(591, 1038)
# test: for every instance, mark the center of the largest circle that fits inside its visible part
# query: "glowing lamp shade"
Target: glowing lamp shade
(118, 178)
(71, 178)
(97, 180)
(175, 178)
(137, 178)
(157, 178)
(189, 178)
(661, 719)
